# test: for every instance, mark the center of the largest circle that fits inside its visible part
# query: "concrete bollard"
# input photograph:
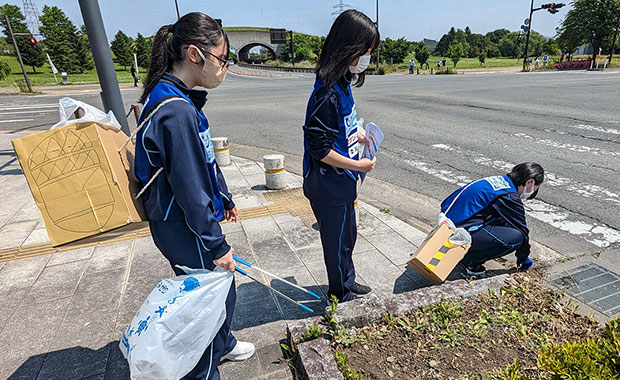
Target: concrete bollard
(275, 176)
(222, 154)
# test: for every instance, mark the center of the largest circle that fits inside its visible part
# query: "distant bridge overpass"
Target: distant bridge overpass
(242, 39)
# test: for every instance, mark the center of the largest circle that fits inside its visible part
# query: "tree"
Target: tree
(143, 51)
(122, 47)
(84, 56)
(397, 50)
(422, 53)
(550, 47)
(5, 70)
(496, 35)
(482, 57)
(506, 46)
(477, 44)
(592, 21)
(313, 43)
(445, 41)
(492, 50)
(6, 48)
(61, 39)
(455, 52)
(31, 56)
(568, 41)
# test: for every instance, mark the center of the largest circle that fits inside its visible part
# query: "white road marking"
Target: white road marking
(568, 146)
(598, 234)
(23, 112)
(586, 127)
(15, 121)
(586, 190)
(25, 107)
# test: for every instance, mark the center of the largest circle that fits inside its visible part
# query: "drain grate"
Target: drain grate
(593, 285)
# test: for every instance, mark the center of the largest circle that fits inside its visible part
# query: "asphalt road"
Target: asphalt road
(443, 131)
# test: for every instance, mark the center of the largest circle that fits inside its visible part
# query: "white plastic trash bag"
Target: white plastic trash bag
(460, 237)
(176, 324)
(68, 106)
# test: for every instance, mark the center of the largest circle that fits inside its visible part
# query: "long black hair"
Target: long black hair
(168, 46)
(522, 173)
(350, 37)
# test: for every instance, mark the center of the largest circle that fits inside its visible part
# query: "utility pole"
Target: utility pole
(527, 39)
(177, 5)
(19, 56)
(613, 43)
(379, 45)
(292, 48)
(110, 93)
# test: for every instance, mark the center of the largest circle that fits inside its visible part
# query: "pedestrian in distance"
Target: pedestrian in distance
(537, 63)
(491, 210)
(187, 201)
(443, 62)
(426, 63)
(134, 75)
(438, 64)
(331, 161)
(411, 66)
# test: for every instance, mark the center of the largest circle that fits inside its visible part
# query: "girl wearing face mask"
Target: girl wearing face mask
(187, 195)
(331, 146)
(491, 209)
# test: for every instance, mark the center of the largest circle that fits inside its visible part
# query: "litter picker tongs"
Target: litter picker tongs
(249, 265)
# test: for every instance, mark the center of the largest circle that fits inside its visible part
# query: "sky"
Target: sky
(414, 20)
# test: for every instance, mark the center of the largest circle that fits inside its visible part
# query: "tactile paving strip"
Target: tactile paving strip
(134, 231)
(593, 285)
(294, 201)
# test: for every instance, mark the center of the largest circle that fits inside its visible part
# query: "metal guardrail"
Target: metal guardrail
(286, 68)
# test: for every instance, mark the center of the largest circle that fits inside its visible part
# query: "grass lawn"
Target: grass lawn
(44, 76)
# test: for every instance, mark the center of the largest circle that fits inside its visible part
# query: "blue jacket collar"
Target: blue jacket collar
(198, 97)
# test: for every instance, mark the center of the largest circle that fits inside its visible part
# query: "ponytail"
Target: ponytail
(168, 45)
(160, 60)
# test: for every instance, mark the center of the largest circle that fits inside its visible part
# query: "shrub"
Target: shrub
(597, 358)
(5, 70)
(381, 70)
(574, 65)
(446, 71)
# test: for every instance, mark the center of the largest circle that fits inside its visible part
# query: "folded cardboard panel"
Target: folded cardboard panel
(436, 257)
(81, 183)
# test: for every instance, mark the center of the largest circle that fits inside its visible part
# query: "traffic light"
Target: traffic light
(552, 7)
(33, 42)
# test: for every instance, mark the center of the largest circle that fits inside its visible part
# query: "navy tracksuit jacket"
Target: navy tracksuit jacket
(185, 203)
(493, 213)
(331, 123)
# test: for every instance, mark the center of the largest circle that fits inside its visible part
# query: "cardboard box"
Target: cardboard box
(81, 183)
(437, 257)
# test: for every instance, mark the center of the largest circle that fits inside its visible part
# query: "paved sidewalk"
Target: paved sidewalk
(63, 312)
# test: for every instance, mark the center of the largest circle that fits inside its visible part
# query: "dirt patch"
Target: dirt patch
(478, 338)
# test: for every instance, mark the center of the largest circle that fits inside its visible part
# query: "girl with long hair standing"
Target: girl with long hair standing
(187, 200)
(331, 146)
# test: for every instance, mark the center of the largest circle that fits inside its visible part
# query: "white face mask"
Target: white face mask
(362, 65)
(526, 194)
(212, 75)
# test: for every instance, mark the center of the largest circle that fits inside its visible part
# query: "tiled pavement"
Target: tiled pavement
(62, 314)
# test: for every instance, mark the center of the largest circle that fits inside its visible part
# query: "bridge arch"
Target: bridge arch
(243, 53)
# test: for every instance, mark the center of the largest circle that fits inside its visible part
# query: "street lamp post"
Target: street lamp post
(379, 45)
(110, 93)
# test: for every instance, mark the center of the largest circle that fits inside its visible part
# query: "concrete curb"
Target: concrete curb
(317, 360)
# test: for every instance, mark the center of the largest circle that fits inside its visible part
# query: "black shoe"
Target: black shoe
(478, 270)
(360, 289)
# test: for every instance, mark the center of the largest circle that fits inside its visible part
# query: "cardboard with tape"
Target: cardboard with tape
(437, 257)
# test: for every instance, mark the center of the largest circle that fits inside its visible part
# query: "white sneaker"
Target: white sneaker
(242, 351)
